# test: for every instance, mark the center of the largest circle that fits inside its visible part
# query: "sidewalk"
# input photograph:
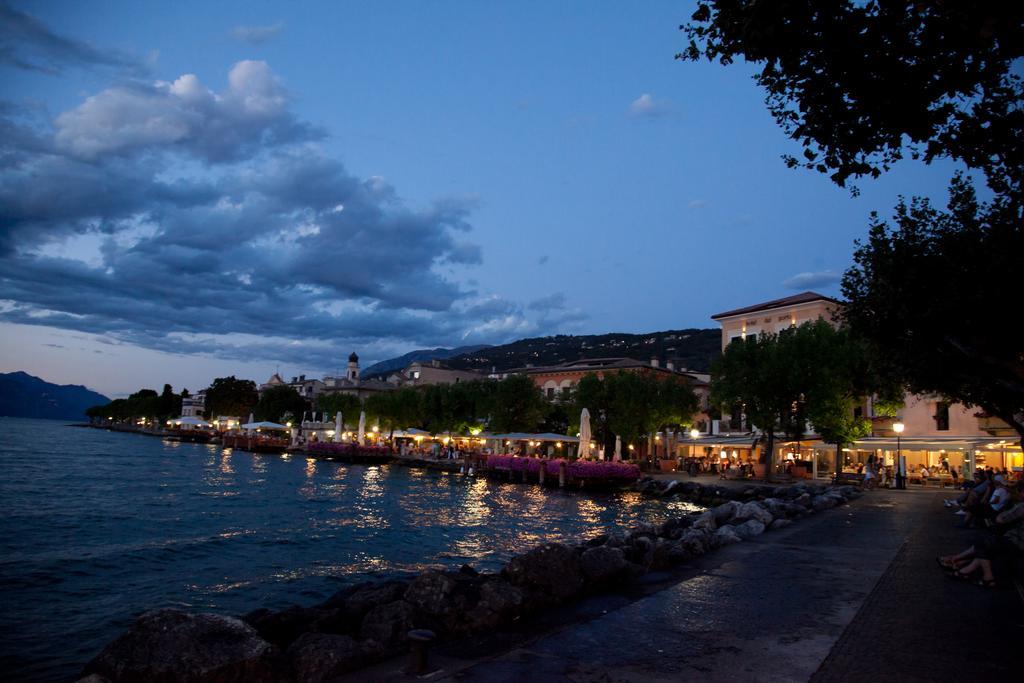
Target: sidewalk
(848, 594)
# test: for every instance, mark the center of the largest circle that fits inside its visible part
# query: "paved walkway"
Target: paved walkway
(848, 594)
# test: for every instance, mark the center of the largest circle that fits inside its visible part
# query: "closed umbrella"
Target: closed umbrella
(362, 427)
(584, 434)
(618, 449)
(337, 427)
(251, 418)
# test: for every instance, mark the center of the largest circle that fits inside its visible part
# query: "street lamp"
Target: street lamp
(901, 468)
(694, 435)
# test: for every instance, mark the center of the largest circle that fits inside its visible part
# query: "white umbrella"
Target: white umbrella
(361, 436)
(337, 427)
(251, 420)
(618, 449)
(263, 425)
(193, 421)
(584, 433)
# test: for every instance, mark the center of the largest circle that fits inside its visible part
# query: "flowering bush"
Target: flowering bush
(350, 449)
(580, 469)
(604, 469)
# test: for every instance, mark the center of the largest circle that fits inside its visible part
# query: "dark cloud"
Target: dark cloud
(808, 280)
(256, 35)
(181, 220)
(27, 43)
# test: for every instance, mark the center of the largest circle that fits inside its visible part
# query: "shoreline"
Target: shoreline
(370, 623)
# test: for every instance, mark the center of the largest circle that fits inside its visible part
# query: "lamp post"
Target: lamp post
(901, 469)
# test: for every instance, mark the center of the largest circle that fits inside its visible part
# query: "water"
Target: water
(97, 527)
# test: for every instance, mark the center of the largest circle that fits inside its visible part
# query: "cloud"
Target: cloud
(27, 43)
(697, 204)
(249, 115)
(542, 260)
(554, 301)
(189, 221)
(646, 106)
(809, 280)
(256, 35)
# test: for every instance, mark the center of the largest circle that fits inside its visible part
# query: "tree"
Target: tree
(518, 405)
(231, 396)
(752, 374)
(856, 83)
(348, 405)
(923, 289)
(276, 401)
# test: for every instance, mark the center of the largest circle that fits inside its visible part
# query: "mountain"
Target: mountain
(22, 395)
(387, 366)
(692, 349)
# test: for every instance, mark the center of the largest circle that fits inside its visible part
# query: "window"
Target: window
(415, 374)
(551, 393)
(942, 416)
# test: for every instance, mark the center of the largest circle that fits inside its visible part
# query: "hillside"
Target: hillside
(22, 395)
(692, 349)
(392, 364)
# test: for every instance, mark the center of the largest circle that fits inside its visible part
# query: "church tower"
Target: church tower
(353, 367)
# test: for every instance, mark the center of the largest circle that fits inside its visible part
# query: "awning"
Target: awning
(191, 421)
(263, 425)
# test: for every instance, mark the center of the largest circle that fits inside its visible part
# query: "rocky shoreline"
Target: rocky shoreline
(366, 623)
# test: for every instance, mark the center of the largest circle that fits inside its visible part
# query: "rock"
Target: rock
(804, 500)
(282, 628)
(705, 520)
(171, 645)
(640, 551)
(644, 529)
(596, 541)
(749, 529)
(776, 506)
(670, 488)
(317, 657)
(753, 511)
(689, 488)
(466, 570)
(550, 571)
(388, 624)
(431, 593)
(694, 542)
(616, 540)
(725, 512)
(603, 565)
(500, 602)
(780, 524)
(357, 601)
(820, 503)
(726, 536)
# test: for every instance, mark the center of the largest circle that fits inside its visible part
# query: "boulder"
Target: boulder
(671, 488)
(753, 511)
(170, 645)
(317, 657)
(780, 524)
(725, 512)
(431, 592)
(500, 602)
(820, 503)
(640, 551)
(749, 529)
(282, 628)
(726, 535)
(388, 624)
(705, 520)
(804, 500)
(358, 600)
(603, 565)
(550, 572)
(695, 542)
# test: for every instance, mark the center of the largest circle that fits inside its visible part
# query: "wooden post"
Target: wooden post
(543, 471)
(561, 475)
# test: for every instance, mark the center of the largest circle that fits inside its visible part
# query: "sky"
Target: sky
(190, 190)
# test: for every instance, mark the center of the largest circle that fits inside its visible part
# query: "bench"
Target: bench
(850, 479)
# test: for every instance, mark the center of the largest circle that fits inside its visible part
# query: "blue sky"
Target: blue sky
(382, 177)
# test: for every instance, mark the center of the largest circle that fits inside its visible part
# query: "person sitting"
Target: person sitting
(1003, 543)
(973, 492)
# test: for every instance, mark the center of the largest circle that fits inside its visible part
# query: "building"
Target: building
(776, 315)
(936, 434)
(194, 406)
(431, 372)
(352, 384)
(556, 380)
(308, 389)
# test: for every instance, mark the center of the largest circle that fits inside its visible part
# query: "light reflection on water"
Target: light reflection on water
(97, 527)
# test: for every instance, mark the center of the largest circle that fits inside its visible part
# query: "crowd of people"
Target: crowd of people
(993, 505)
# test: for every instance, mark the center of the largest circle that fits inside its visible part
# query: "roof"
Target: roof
(802, 298)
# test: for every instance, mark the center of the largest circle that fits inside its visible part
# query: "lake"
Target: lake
(97, 527)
